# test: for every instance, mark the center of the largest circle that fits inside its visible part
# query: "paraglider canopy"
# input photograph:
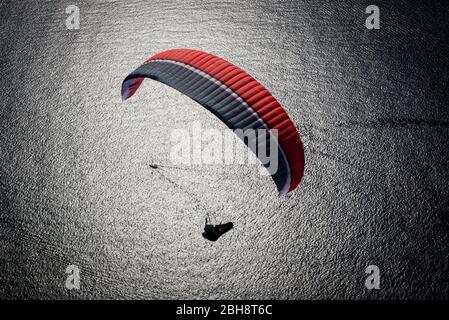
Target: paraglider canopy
(236, 98)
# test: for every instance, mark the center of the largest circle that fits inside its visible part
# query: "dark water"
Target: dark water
(76, 186)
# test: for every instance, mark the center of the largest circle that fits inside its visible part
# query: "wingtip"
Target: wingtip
(281, 194)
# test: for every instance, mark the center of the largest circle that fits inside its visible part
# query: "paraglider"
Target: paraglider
(233, 96)
(213, 232)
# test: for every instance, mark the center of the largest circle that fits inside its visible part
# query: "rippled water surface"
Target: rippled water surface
(76, 186)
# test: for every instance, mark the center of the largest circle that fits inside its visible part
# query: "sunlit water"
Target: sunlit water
(76, 186)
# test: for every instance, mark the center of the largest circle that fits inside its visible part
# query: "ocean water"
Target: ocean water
(76, 186)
